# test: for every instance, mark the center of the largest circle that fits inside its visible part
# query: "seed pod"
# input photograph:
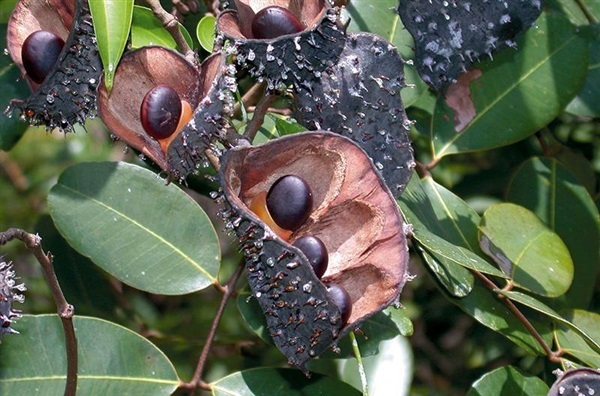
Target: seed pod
(40, 52)
(274, 21)
(67, 94)
(9, 293)
(208, 92)
(355, 216)
(315, 251)
(284, 59)
(583, 381)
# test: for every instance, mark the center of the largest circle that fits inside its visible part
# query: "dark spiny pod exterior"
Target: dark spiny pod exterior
(583, 381)
(289, 59)
(355, 216)
(9, 293)
(207, 91)
(451, 35)
(359, 97)
(68, 93)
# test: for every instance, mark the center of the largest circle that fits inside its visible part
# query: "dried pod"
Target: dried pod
(296, 58)
(67, 94)
(359, 97)
(9, 293)
(583, 381)
(450, 36)
(355, 216)
(208, 92)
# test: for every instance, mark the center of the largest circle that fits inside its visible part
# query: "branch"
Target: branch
(258, 117)
(228, 292)
(65, 310)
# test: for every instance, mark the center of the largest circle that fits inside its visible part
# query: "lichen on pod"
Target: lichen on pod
(206, 92)
(353, 214)
(283, 54)
(63, 82)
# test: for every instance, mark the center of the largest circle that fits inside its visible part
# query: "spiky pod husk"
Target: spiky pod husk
(9, 293)
(295, 59)
(451, 35)
(355, 216)
(359, 97)
(583, 381)
(68, 94)
(208, 91)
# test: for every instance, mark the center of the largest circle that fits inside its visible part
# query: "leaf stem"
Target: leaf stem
(258, 117)
(229, 289)
(65, 310)
(586, 11)
(361, 367)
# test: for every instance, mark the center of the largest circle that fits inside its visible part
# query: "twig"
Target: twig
(229, 290)
(553, 356)
(258, 117)
(65, 310)
(250, 97)
(170, 23)
(361, 367)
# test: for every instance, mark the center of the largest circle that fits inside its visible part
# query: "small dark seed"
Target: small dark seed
(289, 202)
(39, 53)
(160, 111)
(316, 252)
(341, 298)
(274, 21)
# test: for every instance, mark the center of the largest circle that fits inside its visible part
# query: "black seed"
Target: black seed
(274, 21)
(289, 202)
(39, 53)
(160, 111)
(341, 298)
(315, 251)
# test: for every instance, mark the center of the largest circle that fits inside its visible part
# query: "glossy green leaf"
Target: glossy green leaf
(457, 281)
(586, 103)
(12, 87)
(546, 310)
(545, 187)
(526, 249)
(508, 380)
(112, 22)
(149, 235)
(381, 18)
(205, 31)
(519, 92)
(287, 126)
(113, 360)
(579, 12)
(573, 343)
(279, 382)
(147, 30)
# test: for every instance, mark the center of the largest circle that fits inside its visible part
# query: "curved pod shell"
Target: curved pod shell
(354, 214)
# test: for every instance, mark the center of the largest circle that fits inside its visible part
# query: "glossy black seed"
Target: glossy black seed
(316, 252)
(160, 111)
(274, 21)
(341, 298)
(39, 53)
(289, 202)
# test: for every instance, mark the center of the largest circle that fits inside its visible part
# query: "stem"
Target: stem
(553, 356)
(589, 16)
(170, 23)
(65, 310)
(361, 367)
(250, 97)
(229, 290)
(258, 117)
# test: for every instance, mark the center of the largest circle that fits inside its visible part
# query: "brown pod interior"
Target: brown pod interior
(353, 213)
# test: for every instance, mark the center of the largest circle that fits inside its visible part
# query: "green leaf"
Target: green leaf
(205, 31)
(149, 235)
(112, 21)
(147, 30)
(382, 19)
(546, 310)
(534, 256)
(279, 382)
(519, 91)
(508, 380)
(113, 360)
(286, 126)
(12, 87)
(545, 187)
(574, 10)
(586, 103)
(573, 343)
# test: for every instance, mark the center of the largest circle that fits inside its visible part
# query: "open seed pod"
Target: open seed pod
(359, 97)
(296, 57)
(64, 92)
(207, 91)
(582, 381)
(354, 215)
(9, 293)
